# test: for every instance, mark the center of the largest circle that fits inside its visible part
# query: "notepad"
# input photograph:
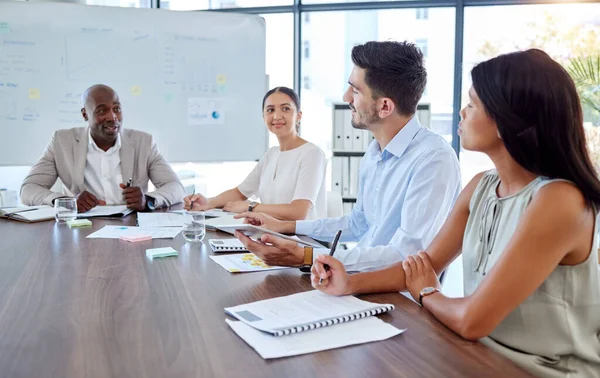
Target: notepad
(28, 214)
(226, 245)
(79, 223)
(161, 252)
(303, 312)
(118, 211)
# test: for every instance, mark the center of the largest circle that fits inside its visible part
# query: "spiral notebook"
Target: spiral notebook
(226, 245)
(304, 312)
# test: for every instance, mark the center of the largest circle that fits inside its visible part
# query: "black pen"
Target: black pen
(129, 183)
(331, 251)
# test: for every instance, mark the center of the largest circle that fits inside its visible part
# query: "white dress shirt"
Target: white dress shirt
(405, 194)
(281, 177)
(102, 174)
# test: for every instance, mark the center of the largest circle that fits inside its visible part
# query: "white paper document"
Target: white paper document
(212, 213)
(163, 219)
(106, 211)
(357, 332)
(245, 262)
(115, 232)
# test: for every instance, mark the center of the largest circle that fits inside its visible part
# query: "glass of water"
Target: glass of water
(65, 209)
(194, 232)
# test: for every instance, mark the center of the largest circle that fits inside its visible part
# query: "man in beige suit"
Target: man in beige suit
(102, 164)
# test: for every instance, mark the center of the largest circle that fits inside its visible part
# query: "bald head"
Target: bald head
(94, 91)
(102, 110)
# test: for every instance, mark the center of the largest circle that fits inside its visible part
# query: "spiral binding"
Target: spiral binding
(330, 322)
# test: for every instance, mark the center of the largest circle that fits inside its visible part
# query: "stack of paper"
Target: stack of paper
(308, 322)
(116, 232)
(118, 211)
(163, 219)
(246, 262)
(358, 332)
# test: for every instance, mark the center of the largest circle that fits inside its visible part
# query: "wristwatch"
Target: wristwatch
(308, 260)
(252, 205)
(150, 204)
(427, 291)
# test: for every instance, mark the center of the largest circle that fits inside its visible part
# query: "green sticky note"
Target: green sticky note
(161, 252)
(79, 223)
(4, 27)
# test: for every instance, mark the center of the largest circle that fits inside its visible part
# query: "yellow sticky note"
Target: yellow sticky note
(136, 90)
(34, 94)
(221, 79)
(233, 270)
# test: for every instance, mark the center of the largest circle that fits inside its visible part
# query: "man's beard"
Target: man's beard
(370, 119)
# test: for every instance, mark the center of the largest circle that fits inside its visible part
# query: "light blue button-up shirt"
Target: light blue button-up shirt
(405, 194)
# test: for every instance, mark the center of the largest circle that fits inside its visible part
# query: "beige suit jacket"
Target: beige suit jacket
(66, 155)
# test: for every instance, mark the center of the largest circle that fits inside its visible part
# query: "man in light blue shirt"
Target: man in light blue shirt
(409, 177)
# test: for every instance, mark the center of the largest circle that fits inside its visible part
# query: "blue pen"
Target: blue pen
(331, 251)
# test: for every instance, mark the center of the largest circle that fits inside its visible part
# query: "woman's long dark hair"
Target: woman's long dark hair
(536, 107)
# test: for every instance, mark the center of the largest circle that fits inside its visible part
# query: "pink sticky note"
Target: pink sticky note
(135, 239)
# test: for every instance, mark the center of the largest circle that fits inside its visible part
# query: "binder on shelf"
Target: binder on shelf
(345, 176)
(338, 128)
(358, 137)
(348, 207)
(367, 140)
(424, 115)
(348, 131)
(336, 174)
(354, 165)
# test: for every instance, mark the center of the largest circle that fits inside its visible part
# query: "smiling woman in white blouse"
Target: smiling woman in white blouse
(289, 180)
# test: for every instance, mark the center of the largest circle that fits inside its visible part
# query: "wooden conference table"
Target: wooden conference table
(77, 307)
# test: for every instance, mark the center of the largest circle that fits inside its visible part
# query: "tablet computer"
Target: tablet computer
(256, 232)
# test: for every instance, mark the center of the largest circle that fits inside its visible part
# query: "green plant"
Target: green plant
(585, 72)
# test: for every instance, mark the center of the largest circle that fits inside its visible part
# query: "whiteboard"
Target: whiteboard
(194, 80)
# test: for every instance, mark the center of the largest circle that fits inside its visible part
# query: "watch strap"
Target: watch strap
(308, 260)
(423, 295)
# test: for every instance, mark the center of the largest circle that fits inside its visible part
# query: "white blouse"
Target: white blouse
(281, 177)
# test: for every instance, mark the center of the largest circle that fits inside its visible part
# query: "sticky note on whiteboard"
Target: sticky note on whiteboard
(34, 94)
(221, 79)
(136, 90)
(4, 27)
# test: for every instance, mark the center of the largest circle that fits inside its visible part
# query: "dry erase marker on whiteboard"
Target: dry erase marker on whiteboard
(331, 251)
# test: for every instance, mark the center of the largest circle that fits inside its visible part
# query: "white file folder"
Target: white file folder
(345, 177)
(354, 164)
(348, 131)
(338, 129)
(336, 174)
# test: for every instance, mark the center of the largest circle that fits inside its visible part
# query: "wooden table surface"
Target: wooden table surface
(77, 307)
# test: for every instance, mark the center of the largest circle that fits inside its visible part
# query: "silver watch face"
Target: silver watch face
(428, 290)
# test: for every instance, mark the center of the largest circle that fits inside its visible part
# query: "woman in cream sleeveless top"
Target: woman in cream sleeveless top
(555, 332)
(527, 229)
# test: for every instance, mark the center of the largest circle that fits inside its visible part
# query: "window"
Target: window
(218, 4)
(563, 31)
(121, 3)
(306, 82)
(306, 49)
(422, 13)
(332, 36)
(422, 44)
